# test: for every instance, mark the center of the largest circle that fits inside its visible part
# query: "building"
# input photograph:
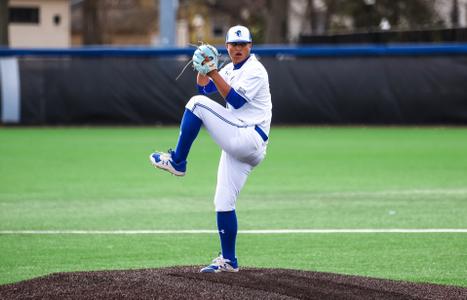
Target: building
(123, 22)
(39, 23)
(136, 22)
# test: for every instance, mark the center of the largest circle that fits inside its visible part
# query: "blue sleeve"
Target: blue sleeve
(234, 99)
(207, 89)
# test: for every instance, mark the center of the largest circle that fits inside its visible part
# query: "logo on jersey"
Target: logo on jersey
(241, 91)
(238, 33)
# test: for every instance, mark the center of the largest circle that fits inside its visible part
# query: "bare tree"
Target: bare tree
(455, 13)
(93, 33)
(4, 16)
(330, 11)
(276, 21)
(312, 16)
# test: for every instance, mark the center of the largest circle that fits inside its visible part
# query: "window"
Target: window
(25, 15)
(57, 20)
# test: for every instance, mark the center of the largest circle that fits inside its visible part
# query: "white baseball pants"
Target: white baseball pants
(242, 148)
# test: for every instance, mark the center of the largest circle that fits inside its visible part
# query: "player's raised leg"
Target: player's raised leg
(175, 161)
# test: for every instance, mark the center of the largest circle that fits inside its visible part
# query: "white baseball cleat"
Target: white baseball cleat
(164, 161)
(220, 264)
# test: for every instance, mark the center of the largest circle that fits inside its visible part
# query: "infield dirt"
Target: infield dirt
(249, 283)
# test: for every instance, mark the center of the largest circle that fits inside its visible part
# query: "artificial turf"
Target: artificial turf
(313, 177)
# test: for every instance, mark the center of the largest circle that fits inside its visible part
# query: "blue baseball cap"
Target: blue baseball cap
(238, 34)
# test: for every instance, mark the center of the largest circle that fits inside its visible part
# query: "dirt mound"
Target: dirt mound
(249, 283)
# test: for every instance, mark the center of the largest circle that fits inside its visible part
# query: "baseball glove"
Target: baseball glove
(205, 59)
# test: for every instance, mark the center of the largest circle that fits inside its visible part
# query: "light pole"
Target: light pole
(167, 22)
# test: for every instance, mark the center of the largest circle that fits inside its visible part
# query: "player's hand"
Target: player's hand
(205, 59)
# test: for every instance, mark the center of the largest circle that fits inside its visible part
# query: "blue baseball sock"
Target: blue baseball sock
(189, 129)
(227, 225)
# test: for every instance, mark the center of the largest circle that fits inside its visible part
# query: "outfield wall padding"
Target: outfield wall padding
(355, 89)
(104, 90)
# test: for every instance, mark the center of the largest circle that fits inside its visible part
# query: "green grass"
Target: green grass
(100, 179)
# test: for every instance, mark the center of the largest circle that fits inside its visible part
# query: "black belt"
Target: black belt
(261, 133)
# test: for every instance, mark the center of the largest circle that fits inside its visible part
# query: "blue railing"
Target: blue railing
(263, 50)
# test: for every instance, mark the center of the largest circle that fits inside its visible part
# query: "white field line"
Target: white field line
(395, 193)
(203, 231)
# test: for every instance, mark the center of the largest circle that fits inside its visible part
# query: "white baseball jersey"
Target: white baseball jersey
(235, 130)
(252, 83)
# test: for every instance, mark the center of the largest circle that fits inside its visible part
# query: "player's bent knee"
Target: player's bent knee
(197, 103)
(196, 100)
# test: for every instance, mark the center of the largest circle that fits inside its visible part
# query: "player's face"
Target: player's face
(238, 52)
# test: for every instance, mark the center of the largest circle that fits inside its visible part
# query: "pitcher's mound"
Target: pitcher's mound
(249, 283)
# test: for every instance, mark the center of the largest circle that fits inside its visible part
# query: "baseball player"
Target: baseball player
(241, 129)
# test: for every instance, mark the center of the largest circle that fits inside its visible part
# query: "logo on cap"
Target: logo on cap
(238, 33)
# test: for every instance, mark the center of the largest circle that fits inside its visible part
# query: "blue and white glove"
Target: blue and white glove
(205, 59)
